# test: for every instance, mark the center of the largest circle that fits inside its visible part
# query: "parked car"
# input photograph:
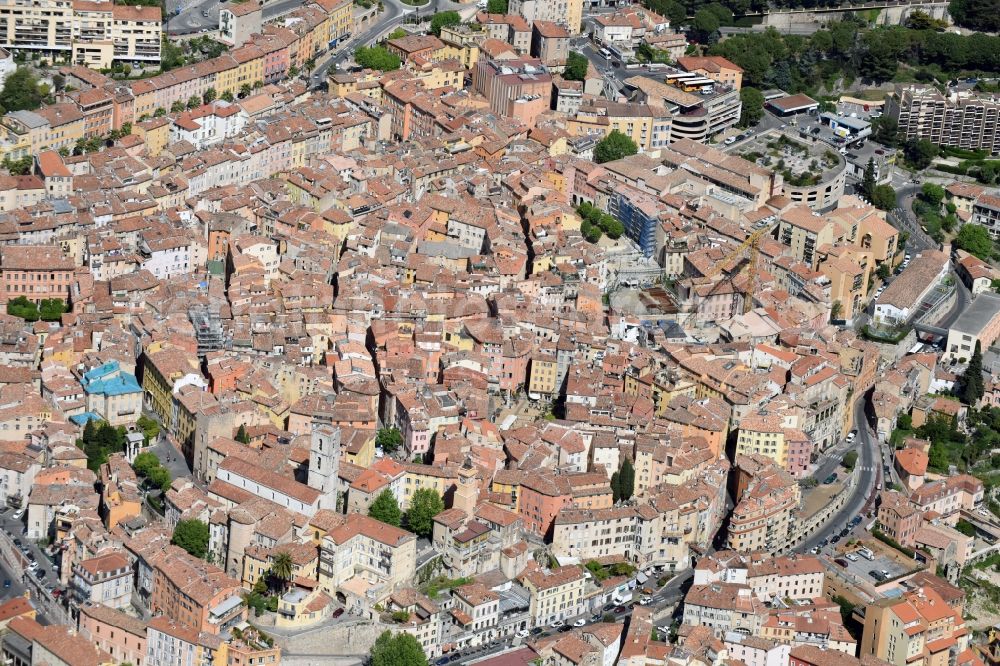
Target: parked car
(852, 557)
(441, 662)
(6, 583)
(17, 516)
(841, 561)
(337, 613)
(830, 479)
(556, 624)
(524, 633)
(580, 622)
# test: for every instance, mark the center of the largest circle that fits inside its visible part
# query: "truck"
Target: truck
(622, 598)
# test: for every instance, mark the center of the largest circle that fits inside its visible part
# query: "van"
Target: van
(606, 53)
(867, 554)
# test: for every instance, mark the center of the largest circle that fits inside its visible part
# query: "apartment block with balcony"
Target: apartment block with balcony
(960, 119)
(95, 34)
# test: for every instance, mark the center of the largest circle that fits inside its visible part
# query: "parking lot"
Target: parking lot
(890, 563)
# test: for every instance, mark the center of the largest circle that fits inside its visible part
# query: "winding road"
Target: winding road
(869, 466)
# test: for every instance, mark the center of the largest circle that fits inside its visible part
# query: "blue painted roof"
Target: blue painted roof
(81, 419)
(108, 379)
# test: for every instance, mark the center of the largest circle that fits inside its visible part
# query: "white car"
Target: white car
(524, 633)
(731, 140)
(645, 601)
(580, 622)
(556, 624)
(17, 516)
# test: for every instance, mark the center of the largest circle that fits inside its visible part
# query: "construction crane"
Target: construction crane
(750, 245)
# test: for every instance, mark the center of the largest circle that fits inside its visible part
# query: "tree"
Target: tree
(885, 130)
(753, 106)
(850, 459)
(149, 427)
(972, 378)
(932, 194)
(444, 19)
(144, 462)
(293, 71)
(209, 96)
(192, 536)
(590, 231)
(282, 567)
(193, 102)
(21, 91)
(23, 308)
(978, 15)
(626, 476)
(612, 227)
(965, 527)
(704, 25)
(846, 609)
(19, 167)
(576, 67)
(256, 602)
(424, 505)
(919, 153)
(377, 57)
(616, 487)
(228, 97)
(400, 649)
(884, 197)
(388, 439)
(386, 509)
(241, 435)
(614, 147)
(245, 90)
(975, 239)
(58, 82)
(883, 271)
(51, 309)
(836, 310)
(496, 6)
(397, 33)
(868, 182)
(177, 107)
(89, 430)
(879, 59)
(160, 477)
(904, 421)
